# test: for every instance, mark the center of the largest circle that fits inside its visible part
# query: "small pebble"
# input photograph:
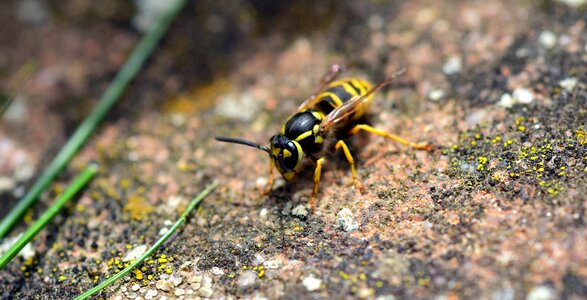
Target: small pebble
(263, 213)
(300, 211)
(175, 280)
(150, 294)
(345, 220)
(312, 283)
(207, 281)
(179, 292)
(195, 279)
(135, 287)
(205, 292)
(164, 285)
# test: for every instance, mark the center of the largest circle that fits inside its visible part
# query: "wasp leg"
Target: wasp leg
(269, 179)
(317, 172)
(419, 146)
(351, 161)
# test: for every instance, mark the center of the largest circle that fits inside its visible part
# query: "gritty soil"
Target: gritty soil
(495, 211)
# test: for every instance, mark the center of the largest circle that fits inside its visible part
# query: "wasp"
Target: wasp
(335, 111)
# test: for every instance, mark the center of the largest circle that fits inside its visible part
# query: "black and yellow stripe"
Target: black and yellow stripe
(339, 92)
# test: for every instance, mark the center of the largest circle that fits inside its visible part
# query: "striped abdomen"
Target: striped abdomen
(341, 91)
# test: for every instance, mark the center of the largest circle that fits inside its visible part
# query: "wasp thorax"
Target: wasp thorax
(286, 155)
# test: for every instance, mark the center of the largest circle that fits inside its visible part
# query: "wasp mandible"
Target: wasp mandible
(334, 112)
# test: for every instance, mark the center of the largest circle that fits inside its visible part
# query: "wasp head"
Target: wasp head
(286, 155)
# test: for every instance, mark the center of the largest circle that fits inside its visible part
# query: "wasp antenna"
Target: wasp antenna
(242, 142)
(398, 72)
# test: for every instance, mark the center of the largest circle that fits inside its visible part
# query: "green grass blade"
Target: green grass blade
(162, 240)
(110, 96)
(78, 183)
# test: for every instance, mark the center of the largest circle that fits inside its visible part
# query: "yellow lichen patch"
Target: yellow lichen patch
(581, 136)
(137, 207)
(198, 98)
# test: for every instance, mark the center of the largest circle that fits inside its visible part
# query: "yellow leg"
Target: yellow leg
(351, 161)
(422, 146)
(317, 172)
(270, 179)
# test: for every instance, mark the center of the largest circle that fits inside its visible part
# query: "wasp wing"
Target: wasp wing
(326, 79)
(352, 105)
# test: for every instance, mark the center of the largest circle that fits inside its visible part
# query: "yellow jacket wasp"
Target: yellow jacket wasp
(332, 114)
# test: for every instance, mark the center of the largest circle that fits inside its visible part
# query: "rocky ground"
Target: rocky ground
(497, 211)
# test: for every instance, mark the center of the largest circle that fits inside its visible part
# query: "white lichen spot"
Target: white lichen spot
(135, 253)
(452, 66)
(346, 220)
(312, 283)
(261, 182)
(541, 292)
(149, 11)
(523, 96)
(247, 279)
(375, 22)
(6, 183)
(506, 100)
(547, 39)
(574, 3)
(435, 94)
(271, 264)
(26, 252)
(385, 297)
(259, 259)
(240, 107)
(217, 271)
(569, 83)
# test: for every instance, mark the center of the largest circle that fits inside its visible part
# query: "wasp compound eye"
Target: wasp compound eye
(290, 156)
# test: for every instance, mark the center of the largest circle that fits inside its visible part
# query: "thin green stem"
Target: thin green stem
(162, 240)
(78, 183)
(108, 99)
